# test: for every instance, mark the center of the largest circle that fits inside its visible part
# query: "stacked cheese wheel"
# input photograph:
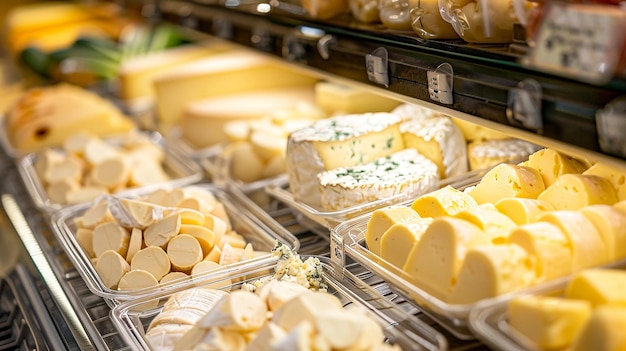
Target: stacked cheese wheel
(522, 224)
(87, 166)
(170, 234)
(589, 316)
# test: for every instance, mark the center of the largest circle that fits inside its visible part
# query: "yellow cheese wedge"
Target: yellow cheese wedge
(152, 259)
(137, 279)
(173, 276)
(239, 311)
(305, 307)
(506, 180)
(614, 174)
(110, 236)
(521, 210)
(342, 99)
(548, 246)
(443, 202)
(398, 241)
(435, 261)
(184, 252)
(604, 331)
(553, 164)
(611, 224)
(574, 191)
(492, 270)
(493, 223)
(588, 248)
(598, 286)
(111, 267)
(382, 220)
(551, 323)
(204, 236)
(84, 237)
(162, 231)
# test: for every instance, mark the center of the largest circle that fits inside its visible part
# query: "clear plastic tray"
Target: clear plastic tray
(489, 320)
(280, 190)
(262, 233)
(180, 169)
(399, 328)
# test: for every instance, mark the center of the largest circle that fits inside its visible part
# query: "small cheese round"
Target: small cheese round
(111, 267)
(152, 259)
(137, 279)
(184, 252)
(111, 173)
(110, 236)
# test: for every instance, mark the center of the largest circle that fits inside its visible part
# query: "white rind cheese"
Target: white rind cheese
(405, 171)
(488, 153)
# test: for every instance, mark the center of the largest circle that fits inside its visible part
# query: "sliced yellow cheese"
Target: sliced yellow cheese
(574, 191)
(521, 210)
(549, 247)
(493, 223)
(111, 267)
(551, 323)
(204, 236)
(184, 252)
(588, 248)
(381, 220)
(614, 174)
(598, 286)
(443, 202)
(398, 241)
(192, 217)
(435, 261)
(604, 331)
(152, 259)
(110, 236)
(134, 244)
(553, 164)
(492, 270)
(506, 180)
(611, 224)
(162, 231)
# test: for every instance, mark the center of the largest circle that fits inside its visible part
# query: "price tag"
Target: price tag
(337, 253)
(440, 84)
(580, 41)
(376, 65)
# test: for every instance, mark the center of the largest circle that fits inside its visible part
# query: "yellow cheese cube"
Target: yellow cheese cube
(553, 164)
(598, 286)
(550, 322)
(381, 220)
(604, 331)
(398, 241)
(574, 191)
(611, 224)
(493, 223)
(588, 248)
(506, 180)
(521, 210)
(548, 246)
(615, 174)
(443, 202)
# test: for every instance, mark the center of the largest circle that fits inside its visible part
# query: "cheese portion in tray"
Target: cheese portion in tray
(508, 232)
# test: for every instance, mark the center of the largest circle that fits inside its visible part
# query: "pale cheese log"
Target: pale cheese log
(434, 263)
(522, 210)
(506, 180)
(553, 164)
(203, 121)
(604, 331)
(342, 99)
(438, 139)
(398, 241)
(611, 224)
(615, 174)
(222, 74)
(184, 252)
(490, 271)
(550, 322)
(404, 172)
(575, 191)
(494, 224)
(488, 153)
(446, 201)
(383, 219)
(342, 141)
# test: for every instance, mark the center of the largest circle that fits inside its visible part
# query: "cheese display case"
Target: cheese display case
(507, 97)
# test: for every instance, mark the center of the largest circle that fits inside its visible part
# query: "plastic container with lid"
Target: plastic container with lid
(480, 21)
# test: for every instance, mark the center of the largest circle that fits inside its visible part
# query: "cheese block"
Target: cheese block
(342, 141)
(404, 172)
(506, 180)
(222, 74)
(488, 153)
(575, 191)
(611, 224)
(398, 241)
(548, 246)
(604, 331)
(111, 267)
(383, 219)
(598, 286)
(588, 248)
(184, 252)
(552, 164)
(551, 323)
(152, 259)
(434, 263)
(110, 236)
(476, 132)
(494, 224)
(522, 210)
(239, 311)
(492, 270)
(203, 121)
(614, 174)
(45, 117)
(446, 201)
(137, 279)
(342, 99)
(439, 140)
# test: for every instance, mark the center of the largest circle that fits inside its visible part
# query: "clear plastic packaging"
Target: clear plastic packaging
(480, 21)
(427, 22)
(181, 171)
(244, 217)
(395, 14)
(365, 11)
(398, 326)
